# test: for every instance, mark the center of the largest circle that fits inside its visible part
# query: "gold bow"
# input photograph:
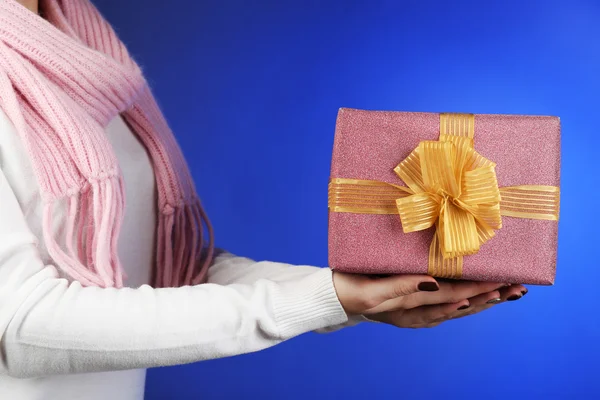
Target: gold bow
(452, 187)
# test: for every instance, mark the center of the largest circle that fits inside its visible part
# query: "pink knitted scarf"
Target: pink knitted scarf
(62, 80)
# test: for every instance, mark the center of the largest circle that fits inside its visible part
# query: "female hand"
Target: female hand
(418, 301)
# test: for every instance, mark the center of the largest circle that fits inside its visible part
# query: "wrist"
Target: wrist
(307, 304)
(350, 293)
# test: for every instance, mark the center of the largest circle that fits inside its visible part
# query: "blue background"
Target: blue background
(252, 89)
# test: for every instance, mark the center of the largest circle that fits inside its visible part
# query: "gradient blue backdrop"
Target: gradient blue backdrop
(252, 89)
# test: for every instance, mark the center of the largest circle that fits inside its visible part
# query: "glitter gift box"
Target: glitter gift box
(368, 222)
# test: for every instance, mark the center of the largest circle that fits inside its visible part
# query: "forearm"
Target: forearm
(61, 328)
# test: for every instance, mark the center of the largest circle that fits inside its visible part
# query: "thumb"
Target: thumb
(359, 294)
(392, 287)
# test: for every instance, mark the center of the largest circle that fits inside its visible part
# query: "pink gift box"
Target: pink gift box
(369, 144)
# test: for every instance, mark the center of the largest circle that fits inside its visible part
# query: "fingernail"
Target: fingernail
(524, 292)
(513, 297)
(494, 301)
(428, 287)
(463, 307)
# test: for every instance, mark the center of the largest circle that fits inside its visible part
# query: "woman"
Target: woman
(93, 288)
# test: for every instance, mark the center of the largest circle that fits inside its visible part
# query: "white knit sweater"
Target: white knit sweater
(62, 341)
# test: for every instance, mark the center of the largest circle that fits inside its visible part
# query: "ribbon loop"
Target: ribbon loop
(457, 231)
(437, 167)
(409, 171)
(418, 212)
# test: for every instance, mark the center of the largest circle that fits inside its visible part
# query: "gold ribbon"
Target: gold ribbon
(451, 186)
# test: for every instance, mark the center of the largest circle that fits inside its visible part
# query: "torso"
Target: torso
(136, 250)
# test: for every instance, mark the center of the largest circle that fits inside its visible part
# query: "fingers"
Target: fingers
(421, 317)
(451, 292)
(513, 292)
(477, 304)
(385, 292)
(425, 315)
(487, 300)
(429, 316)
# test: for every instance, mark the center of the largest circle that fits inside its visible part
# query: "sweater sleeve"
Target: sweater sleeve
(49, 326)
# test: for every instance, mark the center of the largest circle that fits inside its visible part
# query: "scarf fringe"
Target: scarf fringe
(93, 219)
(180, 263)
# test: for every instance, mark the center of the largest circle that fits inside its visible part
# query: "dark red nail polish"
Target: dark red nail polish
(513, 297)
(524, 292)
(428, 287)
(463, 307)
